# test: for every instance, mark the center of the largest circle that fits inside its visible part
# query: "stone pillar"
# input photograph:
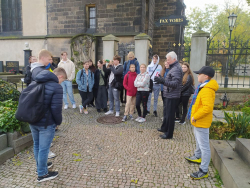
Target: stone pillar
(198, 51)
(142, 42)
(27, 54)
(110, 46)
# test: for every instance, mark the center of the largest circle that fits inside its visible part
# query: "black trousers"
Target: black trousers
(142, 97)
(184, 100)
(102, 98)
(122, 98)
(86, 97)
(168, 119)
(94, 90)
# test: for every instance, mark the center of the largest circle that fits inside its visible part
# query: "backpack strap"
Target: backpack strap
(154, 71)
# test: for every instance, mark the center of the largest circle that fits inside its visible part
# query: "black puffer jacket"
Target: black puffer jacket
(52, 99)
(187, 88)
(173, 81)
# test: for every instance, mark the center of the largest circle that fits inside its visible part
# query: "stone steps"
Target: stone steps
(6, 154)
(234, 172)
(242, 147)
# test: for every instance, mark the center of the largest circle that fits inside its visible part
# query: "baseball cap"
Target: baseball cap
(209, 71)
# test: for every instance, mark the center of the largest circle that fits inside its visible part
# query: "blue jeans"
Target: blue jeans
(67, 88)
(202, 147)
(114, 95)
(156, 90)
(42, 139)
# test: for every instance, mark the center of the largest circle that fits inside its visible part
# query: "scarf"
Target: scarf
(194, 98)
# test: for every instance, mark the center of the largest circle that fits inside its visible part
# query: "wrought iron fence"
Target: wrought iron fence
(234, 62)
(182, 50)
(124, 49)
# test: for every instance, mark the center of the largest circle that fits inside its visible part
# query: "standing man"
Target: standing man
(27, 77)
(114, 70)
(43, 131)
(171, 92)
(69, 67)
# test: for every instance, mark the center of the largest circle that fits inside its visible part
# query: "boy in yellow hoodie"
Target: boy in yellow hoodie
(200, 114)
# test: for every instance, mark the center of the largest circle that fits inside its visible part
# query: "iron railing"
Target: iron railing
(182, 50)
(234, 62)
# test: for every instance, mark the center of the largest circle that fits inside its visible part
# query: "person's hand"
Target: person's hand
(193, 120)
(159, 80)
(104, 62)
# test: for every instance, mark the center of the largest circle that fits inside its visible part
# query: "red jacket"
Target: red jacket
(128, 83)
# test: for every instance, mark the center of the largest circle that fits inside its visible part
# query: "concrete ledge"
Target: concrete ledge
(6, 154)
(242, 147)
(233, 171)
(3, 141)
(18, 143)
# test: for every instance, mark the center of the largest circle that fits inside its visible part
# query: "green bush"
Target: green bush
(236, 126)
(240, 123)
(8, 122)
(246, 110)
(8, 91)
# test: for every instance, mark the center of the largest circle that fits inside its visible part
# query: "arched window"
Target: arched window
(11, 15)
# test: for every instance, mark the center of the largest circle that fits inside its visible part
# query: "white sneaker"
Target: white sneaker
(109, 112)
(74, 106)
(141, 120)
(66, 106)
(137, 119)
(51, 155)
(117, 114)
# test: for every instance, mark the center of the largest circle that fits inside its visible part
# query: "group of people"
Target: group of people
(104, 85)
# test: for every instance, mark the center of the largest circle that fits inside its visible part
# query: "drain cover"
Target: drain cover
(109, 120)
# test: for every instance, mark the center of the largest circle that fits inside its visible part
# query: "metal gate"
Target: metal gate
(124, 49)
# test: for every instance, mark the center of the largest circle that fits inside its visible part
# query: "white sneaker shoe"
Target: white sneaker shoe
(51, 155)
(74, 106)
(117, 114)
(109, 112)
(141, 120)
(137, 119)
(66, 106)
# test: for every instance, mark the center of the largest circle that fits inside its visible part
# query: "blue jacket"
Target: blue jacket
(81, 80)
(53, 98)
(127, 64)
(165, 74)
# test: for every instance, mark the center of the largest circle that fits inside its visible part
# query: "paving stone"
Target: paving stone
(111, 155)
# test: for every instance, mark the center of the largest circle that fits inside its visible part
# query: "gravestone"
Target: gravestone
(12, 66)
(1, 66)
(56, 60)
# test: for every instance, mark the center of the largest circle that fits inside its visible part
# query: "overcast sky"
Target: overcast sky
(201, 3)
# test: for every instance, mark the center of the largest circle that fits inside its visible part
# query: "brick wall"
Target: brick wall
(112, 16)
(164, 34)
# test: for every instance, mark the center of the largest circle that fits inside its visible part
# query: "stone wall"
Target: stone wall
(112, 16)
(164, 34)
(0, 18)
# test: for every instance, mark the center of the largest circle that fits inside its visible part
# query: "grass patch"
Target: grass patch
(219, 182)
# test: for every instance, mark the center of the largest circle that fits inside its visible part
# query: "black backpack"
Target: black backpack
(31, 107)
(151, 83)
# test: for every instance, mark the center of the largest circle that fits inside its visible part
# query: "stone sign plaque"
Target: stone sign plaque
(172, 20)
(12, 66)
(1, 66)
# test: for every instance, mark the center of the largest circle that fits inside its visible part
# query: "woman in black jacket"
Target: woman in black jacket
(101, 87)
(186, 91)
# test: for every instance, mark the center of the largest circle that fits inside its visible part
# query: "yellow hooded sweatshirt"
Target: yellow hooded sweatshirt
(202, 110)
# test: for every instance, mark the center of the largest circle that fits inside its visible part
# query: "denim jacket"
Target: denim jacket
(82, 80)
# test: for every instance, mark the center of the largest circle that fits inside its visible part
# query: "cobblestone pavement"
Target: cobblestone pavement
(90, 154)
